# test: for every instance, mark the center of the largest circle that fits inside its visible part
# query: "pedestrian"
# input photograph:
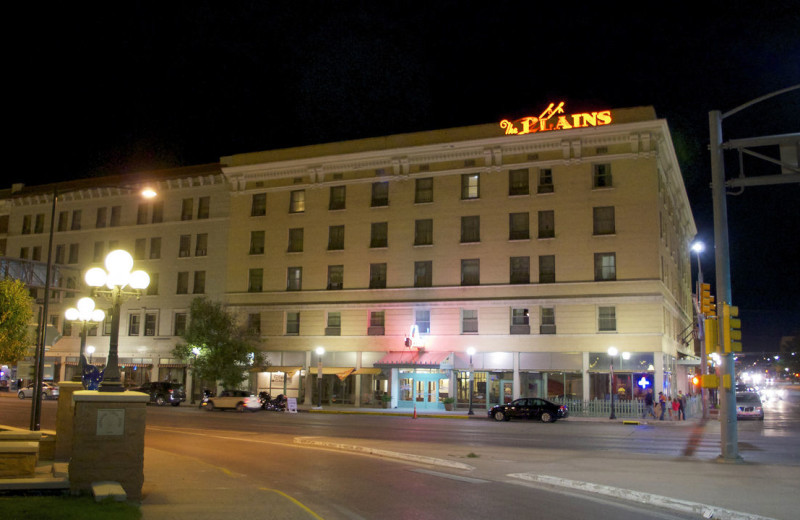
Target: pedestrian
(675, 408)
(648, 404)
(681, 406)
(662, 403)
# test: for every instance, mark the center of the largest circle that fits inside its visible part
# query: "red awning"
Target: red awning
(413, 358)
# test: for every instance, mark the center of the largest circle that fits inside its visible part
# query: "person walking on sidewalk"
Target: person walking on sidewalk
(681, 406)
(675, 405)
(648, 404)
(662, 404)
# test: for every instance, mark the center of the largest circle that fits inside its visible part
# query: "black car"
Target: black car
(529, 408)
(161, 392)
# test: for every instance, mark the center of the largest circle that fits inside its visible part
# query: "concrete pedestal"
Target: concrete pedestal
(64, 417)
(108, 440)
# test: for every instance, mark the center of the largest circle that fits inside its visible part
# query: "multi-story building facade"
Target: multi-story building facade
(521, 250)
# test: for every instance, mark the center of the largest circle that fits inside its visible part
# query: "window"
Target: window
(545, 181)
(601, 177)
(423, 232)
(297, 201)
(63, 219)
(141, 213)
(254, 323)
(73, 254)
(152, 287)
(377, 276)
(26, 225)
(199, 282)
(547, 269)
(294, 279)
(255, 280)
(150, 323)
(607, 319)
(23, 253)
(295, 240)
(139, 248)
(334, 324)
(134, 321)
(201, 244)
(470, 229)
(38, 227)
(184, 246)
(203, 207)
(603, 218)
(76, 220)
(158, 212)
(471, 272)
(337, 198)
(377, 321)
(380, 194)
(548, 320)
(547, 227)
(520, 321)
(605, 266)
(292, 323)
(99, 249)
(256, 242)
(102, 217)
(187, 206)
(258, 205)
(379, 234)
(518, 182)
(335, 277)
(422, 319)
(116, 215)
(469, 321)
(470, 186)
(520, 269)
(155, 248)
(37, 253)
(179, 328)
(423, 274)
(423, 190)
(183, 283)
(335, 238)
(60, 252)
(518, 226)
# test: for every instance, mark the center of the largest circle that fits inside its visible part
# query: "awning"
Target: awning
(367, 371)
(413, 359)
(289, 371)
(172, 365)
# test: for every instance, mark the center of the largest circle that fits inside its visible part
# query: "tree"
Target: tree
(226, 349)
(16, 315)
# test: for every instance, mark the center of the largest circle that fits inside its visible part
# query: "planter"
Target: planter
(449, 406)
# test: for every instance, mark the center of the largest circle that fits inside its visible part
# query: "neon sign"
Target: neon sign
(543, 123)
(414, 339)
(644, 383)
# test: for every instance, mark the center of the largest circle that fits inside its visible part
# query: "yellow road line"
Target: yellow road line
(294, 501)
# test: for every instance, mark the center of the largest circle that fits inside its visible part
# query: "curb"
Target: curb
(674, 504)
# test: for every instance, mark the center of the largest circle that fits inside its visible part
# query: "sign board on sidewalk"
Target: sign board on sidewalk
(291, 404)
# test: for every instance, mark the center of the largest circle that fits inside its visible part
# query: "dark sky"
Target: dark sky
(116, 87)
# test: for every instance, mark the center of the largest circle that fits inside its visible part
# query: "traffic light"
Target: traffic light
(696, 381)
(707, 306)
(710, 335)
(731, 329)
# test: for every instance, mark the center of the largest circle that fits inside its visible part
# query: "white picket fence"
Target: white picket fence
(626, 408)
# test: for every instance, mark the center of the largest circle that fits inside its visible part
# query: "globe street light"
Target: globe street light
(120, 283)
(698, 247)
(195, 352)
(320, 351)
(471, 352)
(86, 314)
(90, 351)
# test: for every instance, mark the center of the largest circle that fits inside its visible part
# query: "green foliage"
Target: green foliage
(226, 349)
(67, 507)
(16, 315)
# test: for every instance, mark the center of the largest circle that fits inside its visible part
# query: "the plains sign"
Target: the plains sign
(553, 118)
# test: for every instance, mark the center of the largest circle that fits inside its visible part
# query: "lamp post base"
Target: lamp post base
(109, 386)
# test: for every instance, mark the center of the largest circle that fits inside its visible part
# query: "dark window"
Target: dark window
(337, 198)
(141, 213)
(116, 215)
(471, 229)
(380, 194)
(187, 208)
(199, 282)
(76, 220)
(518, 182)
(256, 242)
(258, 205)
(603, 218)
(423, 191)
(155, 248)
(255, 280)
(294, 279)
(292, 323)
(518, 226)
(601, 177)
(548, 320)
(607, 319)
(334, 324)
(471, 271)
(158, 212)
(203, 207)
(547, 226)
(152, 288)
(335, 238)
(180, 324)
(73, 254)
(545, 181)
(423, 274)
(102, 218)
(469, 321)
(335, 277)
(254, 323)
(379, 234)
(295, 240)
(134, 322)
(150, 323)
(183, 283)
(547, 269)
(520, 269)
(184, 246)
(201, 244)
(377, 276)
(423, 232)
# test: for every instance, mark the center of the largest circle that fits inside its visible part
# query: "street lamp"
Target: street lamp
(698, 247)
(86, 314)
(612, 353)
(471, 352)
(195, 353)
(120, 283)
(90, 351)
(320, 351)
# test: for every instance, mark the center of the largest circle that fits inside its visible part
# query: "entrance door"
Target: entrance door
(501, 391)
(424, 391)
(507, 390)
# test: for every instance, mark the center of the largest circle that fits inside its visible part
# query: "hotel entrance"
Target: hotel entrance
(423, 388)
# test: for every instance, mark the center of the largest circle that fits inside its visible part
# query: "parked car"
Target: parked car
(238, 400)
(162, 392)
(748, 406)
(49, 391)
(529, 408)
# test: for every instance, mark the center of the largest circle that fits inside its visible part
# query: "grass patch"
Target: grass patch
(471, 455)
(66, 507)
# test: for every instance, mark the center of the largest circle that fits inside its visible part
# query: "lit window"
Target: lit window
(470, 186)
(605, 266)
(297, 201)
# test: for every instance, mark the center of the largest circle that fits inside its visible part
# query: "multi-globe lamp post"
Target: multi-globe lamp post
(116, 283)
(86, 314)
(612, 353)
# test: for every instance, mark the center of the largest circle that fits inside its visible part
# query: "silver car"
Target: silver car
(49, 391)
(748, 406)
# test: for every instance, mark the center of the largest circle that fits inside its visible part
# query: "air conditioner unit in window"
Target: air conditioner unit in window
(333, 331)
(547, 329)
(521, 329)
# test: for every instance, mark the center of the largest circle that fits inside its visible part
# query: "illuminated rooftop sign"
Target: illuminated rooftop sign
(551, 120)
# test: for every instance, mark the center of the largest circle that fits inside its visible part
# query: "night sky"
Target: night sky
(120, 87)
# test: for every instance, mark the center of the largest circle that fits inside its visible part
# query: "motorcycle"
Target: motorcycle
(204, 400)
(277, 405)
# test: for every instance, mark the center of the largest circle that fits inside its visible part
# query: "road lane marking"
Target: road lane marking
(294, 501)
(451, 477)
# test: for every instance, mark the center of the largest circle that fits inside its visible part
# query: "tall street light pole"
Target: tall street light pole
(699, 247)
(471, 352)
(116, 278)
